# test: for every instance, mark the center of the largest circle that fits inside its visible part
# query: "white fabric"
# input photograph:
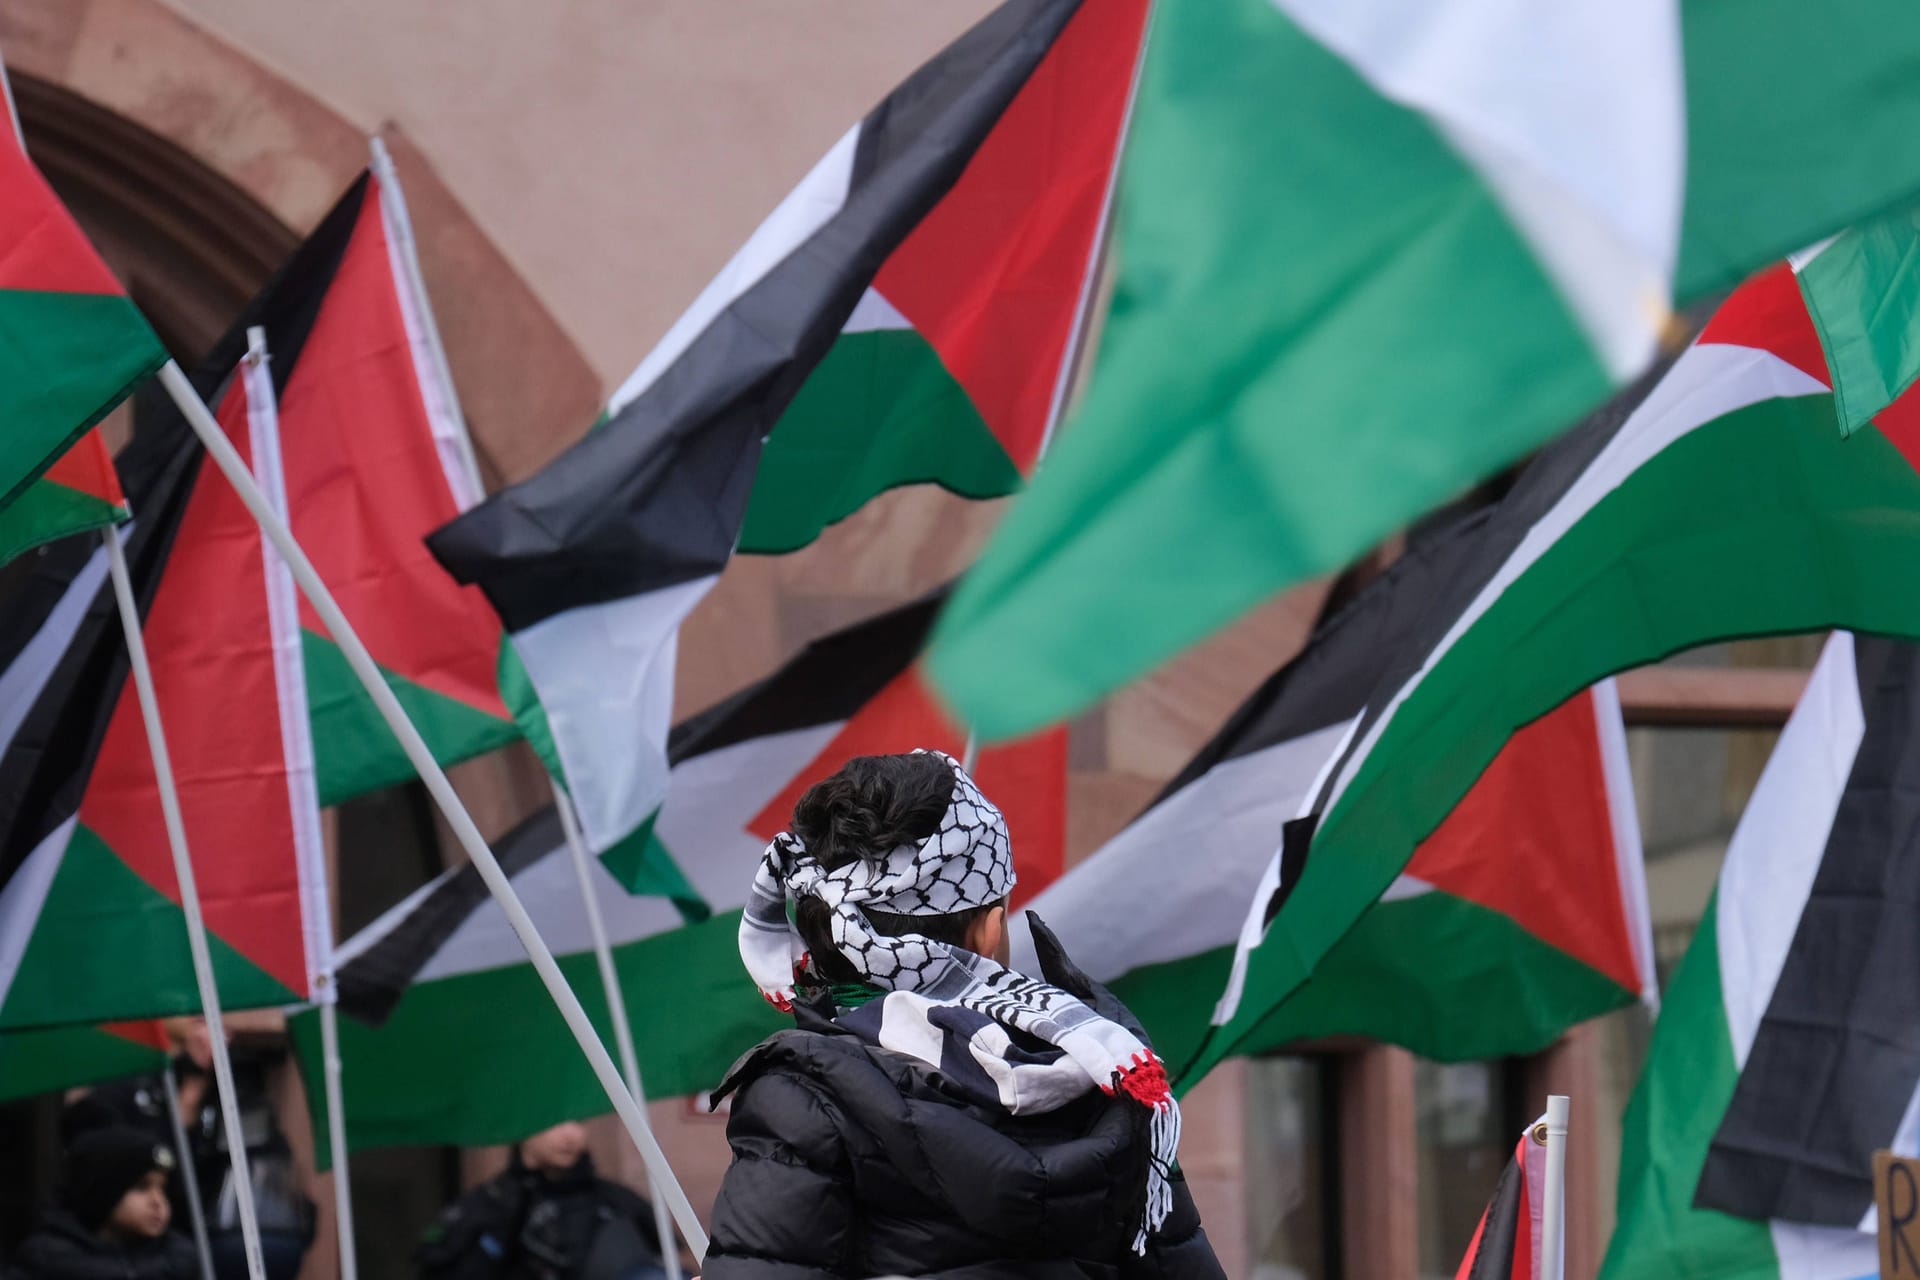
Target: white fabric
(290, 683)
(873, 312)
(1778, 845)
(1629, 859)
(604, 677)
(24, 679)
(1572, 113)
(805, 210)
(1824, 1253)
(23, 896)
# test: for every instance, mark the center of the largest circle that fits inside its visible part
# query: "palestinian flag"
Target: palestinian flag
(90, 923)
(374, 461)
(1789, 1051)
(1507, 1244)
(1522, 915)
(72, 346)
(905, 315)
(1368, 255)
(449, 987)
(1727, 503)
(54, 1058)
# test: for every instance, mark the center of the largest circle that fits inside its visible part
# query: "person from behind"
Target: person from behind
(113, 1221)
(933, 1113)
(549, 1216)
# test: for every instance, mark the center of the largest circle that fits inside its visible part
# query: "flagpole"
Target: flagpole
(189, 1176)
(337, 1137)
(1553, 1208)
(189, 892)
(222, 452)
(394, 203)
(616, 1007)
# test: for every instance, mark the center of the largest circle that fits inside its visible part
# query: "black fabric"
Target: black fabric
(849, 1160)
(524, 1225)
(1493, 1260)
(104, 1164)
(656, 496)
(371, 983)
(45, 765)
(62, 1249)
(1836, 1060)
(826, 682)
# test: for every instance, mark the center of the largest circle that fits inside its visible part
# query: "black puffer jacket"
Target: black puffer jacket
(850, 1160)
(62, 1249)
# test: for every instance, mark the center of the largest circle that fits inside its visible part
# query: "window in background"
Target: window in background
(1289, 1178)
(1467, 1122)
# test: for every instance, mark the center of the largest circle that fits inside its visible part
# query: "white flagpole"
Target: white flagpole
(263, 424)
(189, 893)
(222, 452)
(400, 226)
(1553, 1208)
(616, 1007)
(189, 1176)
(337, 1137)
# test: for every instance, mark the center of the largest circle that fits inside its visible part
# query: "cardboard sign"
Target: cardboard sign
(1896, 1189)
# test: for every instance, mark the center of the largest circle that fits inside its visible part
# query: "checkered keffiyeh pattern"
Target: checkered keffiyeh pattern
(966, 863)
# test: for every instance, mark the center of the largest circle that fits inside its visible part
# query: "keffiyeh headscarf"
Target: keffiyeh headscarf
(966, 863)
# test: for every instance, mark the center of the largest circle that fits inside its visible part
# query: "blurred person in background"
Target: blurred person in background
(548, 1216)
(112, 1222)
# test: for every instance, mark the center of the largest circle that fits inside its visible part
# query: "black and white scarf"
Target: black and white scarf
(967, 862)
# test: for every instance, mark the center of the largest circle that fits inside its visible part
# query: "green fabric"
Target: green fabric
(42, 1061)
(523, 702)
(66, 359)
(1682, 1095)
(1863, 293)
(643, 865)
(1450, 979)
(1764, 521)
(485, 1058)
(1799, 122)
(879, 412)
(355, 752)
(1306, 272)
(851, 995)
(47, 510)
(107, 946)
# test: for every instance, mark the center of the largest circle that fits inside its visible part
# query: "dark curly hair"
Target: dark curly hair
(871, 806)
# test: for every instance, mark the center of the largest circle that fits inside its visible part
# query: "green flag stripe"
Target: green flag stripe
(61, 1057)
(355, 752)
(484, 1057)
(47, 510)
(1447, 978)
(66, 359)
(1863, 293)
(881, 411)
(1682, 1095)
(107, 946)
(1212, 483)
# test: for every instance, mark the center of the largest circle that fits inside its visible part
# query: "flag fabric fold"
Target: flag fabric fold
(1507, 1244)
(1365, 259)
(1524, 913)
(1789, 1049)
(1724, 503)
(905, 315)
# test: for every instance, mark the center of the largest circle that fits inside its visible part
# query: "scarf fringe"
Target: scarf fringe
(1145, 1081)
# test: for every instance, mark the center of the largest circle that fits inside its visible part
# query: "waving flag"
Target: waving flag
(1726, 503)
(1370, 251)
(1789, 1051)
(52, 1058)
(1522, 915)
(905, 315)
(1507, 1244)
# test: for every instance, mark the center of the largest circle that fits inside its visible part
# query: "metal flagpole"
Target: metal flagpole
(616, 1007)
(337, 1137)
(394, 202)
(189, 1176)
(224, 456)
(189, 892)
(1554, 1202)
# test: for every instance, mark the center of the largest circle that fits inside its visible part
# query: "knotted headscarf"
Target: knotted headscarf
(967, 862)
